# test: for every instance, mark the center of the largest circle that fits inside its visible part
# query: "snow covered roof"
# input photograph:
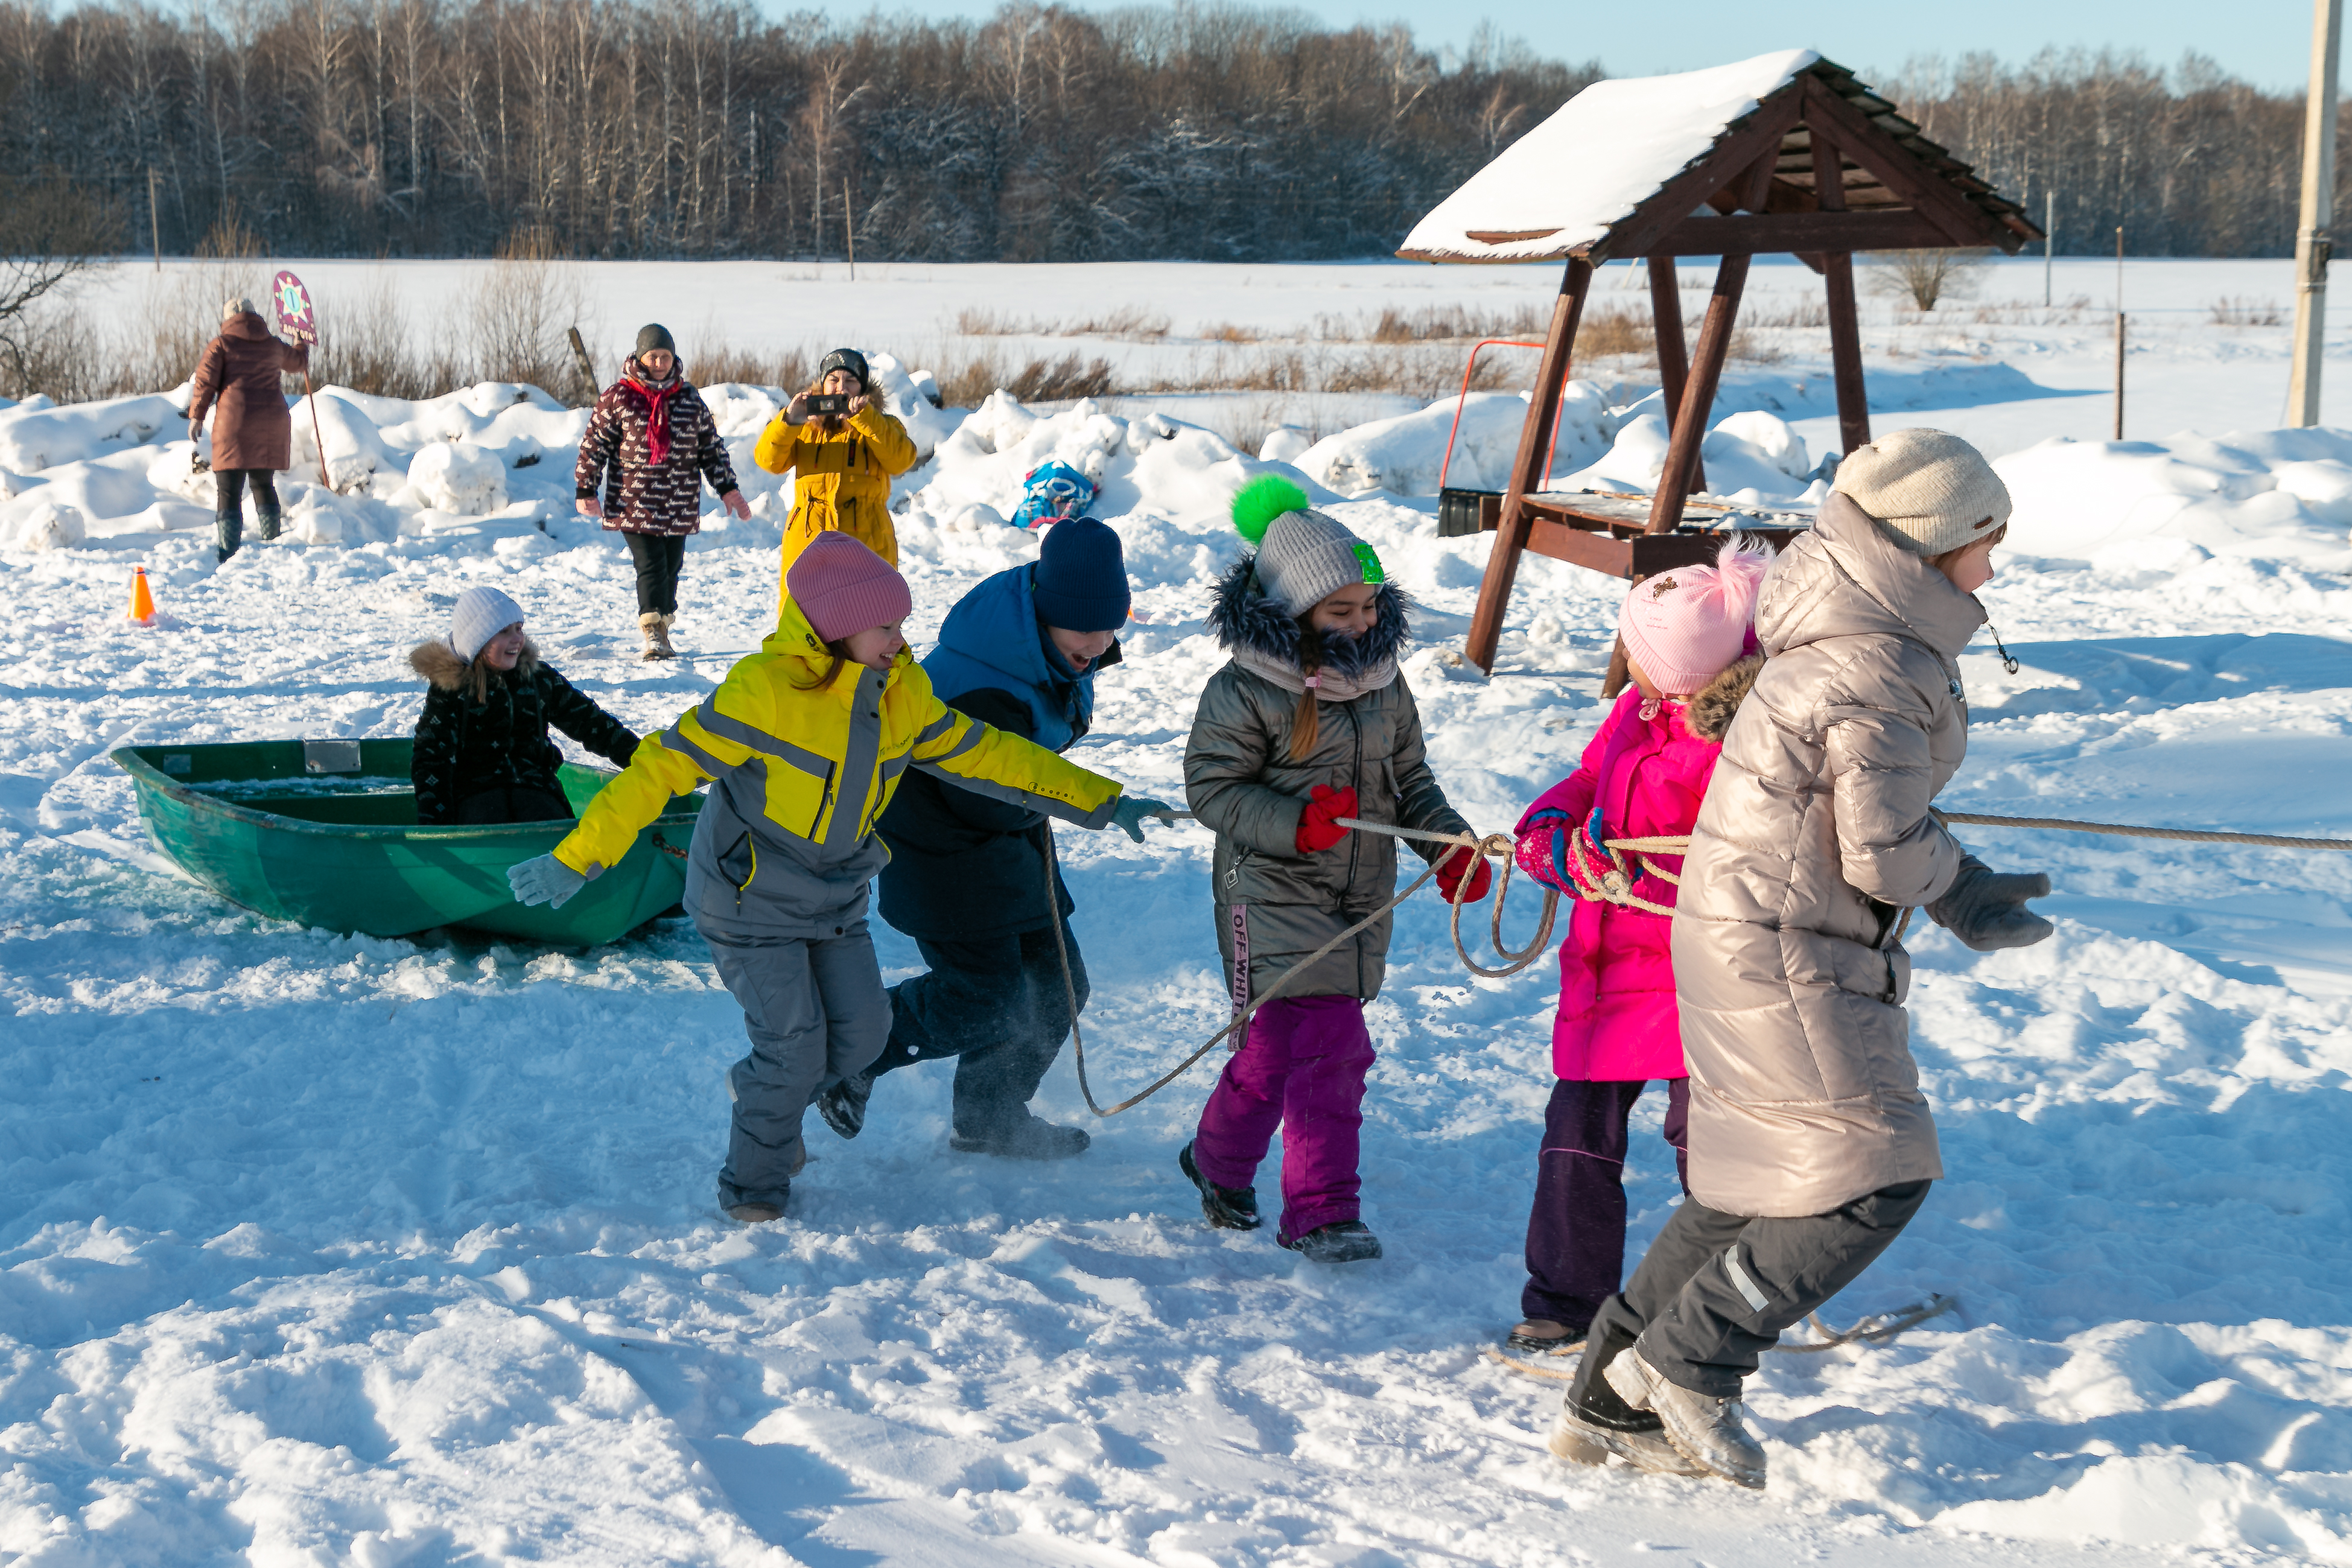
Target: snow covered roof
(1569, 185)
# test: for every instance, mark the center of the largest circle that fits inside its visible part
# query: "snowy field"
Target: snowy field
(317, 1248)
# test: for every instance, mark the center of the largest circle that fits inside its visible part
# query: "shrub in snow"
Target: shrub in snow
(458, 476)
(48, 525)
(1284, 444)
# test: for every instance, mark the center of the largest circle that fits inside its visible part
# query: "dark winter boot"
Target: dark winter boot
(228, 534)
(842, 1105)
(273, 521)
(1342, 1241)
(1031, 1137)
(1596, 1423)
(1226, 1207)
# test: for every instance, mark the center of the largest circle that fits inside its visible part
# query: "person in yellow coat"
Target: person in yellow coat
(805, 743)
(842, 463)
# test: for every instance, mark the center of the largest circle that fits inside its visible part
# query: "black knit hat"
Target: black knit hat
(848, 359)
(654, 335)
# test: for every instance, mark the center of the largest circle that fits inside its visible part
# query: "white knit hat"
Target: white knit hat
(240, 306)
(1932, 492)
(481, 613)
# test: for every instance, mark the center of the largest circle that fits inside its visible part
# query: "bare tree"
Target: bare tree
(50, 233)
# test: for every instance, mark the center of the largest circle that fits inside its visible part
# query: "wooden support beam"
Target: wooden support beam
(1770, 234)
(1845, 324)
(1673, 359)
(1527, 469)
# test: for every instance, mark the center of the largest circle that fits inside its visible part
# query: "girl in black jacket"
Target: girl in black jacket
(482, 753)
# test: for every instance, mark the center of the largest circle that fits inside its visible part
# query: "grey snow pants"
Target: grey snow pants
(1715, 1290)
(816, 1012)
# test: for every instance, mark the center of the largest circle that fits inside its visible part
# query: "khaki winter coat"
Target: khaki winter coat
(1814, 836)
(239, 372)
(1240, 781)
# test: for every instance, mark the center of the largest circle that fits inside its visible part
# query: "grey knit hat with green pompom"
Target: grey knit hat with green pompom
(1304, 556)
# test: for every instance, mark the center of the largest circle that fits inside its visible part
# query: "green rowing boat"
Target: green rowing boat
(324, 831)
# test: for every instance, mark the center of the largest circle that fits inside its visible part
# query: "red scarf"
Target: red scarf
(657, 416)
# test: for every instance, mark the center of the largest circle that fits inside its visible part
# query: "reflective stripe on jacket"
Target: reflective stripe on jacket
(786, 845)
(841, 478)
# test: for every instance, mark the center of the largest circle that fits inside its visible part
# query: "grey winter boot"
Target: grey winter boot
(273, 521)
(1607, 1426)
(656, 628)
(1705, 1428)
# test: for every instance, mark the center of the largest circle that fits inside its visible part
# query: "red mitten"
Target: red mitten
(1317, 828)
(1449, 877)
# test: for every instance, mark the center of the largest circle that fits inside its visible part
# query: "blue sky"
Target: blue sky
(2266, 42)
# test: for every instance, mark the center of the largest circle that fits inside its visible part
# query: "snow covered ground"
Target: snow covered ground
(318, 1249)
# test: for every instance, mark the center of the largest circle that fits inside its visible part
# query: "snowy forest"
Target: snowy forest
(607, 128)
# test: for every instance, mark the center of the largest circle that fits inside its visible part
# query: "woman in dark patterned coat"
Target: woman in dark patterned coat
(482, 753)
(650, 444)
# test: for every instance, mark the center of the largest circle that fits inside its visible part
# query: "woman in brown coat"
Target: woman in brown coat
(1811, 1144)
(253, 433)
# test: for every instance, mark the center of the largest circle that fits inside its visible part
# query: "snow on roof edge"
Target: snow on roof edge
(1551, 193)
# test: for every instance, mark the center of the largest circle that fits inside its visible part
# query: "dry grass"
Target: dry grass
(1125, 321)
(2229, 311)
(1038, 381)
(716, 360)
(1226, 332)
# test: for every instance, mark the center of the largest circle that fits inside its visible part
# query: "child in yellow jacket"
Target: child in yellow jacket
(803, 744)
(842, 463)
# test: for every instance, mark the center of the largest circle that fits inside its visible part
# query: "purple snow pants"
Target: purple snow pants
(1302, 1068)
(1576, 1229)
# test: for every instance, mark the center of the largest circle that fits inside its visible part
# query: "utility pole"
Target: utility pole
(2312, 241)
(154, 224)
(2049, 240)
(848, 232)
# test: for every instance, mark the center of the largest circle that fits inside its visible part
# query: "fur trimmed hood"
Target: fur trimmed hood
(1243, 617)
(1708, 714)
(439, 665)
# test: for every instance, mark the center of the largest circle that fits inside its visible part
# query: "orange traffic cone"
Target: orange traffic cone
(142, 601)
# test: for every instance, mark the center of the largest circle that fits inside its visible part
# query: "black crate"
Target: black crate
(1461, 512)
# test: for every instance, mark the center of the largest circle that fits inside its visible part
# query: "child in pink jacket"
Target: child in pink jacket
(1691, 656)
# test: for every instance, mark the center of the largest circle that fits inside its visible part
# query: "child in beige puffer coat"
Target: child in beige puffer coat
(1811, 1144)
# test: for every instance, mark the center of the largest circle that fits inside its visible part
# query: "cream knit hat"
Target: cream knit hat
(1932, 492)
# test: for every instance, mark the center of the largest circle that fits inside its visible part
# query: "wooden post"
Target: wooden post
(1527, 470)
(848, 231)
(1706, 369)
(1845, 325)
(1673, 359)
(2119, 333)
(154, 224)
(2313, 242)
(580, 358)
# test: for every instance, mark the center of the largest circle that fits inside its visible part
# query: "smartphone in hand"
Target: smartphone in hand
(827, 402)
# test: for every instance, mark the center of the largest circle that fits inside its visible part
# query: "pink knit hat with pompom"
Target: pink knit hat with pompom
(844, 588)
(1684, 627)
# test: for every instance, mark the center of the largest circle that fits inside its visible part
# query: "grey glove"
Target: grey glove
(1127, 812)
(545, 879)
(1986, 908)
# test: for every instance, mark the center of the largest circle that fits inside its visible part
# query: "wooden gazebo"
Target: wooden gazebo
(1728, 162)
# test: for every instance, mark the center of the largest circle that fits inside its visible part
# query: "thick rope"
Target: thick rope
(1494, 844)
(2186, 835)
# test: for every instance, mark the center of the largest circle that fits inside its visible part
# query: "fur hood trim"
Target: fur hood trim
(1242, 616)
(438, 663)
(1708, 714)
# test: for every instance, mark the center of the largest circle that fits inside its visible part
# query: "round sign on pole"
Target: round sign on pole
(292, 303)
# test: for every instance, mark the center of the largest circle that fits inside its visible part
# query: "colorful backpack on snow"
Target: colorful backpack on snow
(1051, 492)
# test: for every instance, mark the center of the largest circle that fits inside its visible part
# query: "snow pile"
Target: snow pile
(2280, 495)
(469, 1302)
(47, 525)
(458, 476)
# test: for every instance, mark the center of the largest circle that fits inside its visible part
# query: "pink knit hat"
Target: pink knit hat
(844, 589)
(1684, 627)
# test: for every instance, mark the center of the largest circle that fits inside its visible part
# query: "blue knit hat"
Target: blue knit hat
(1081, 582)
(481, 613)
